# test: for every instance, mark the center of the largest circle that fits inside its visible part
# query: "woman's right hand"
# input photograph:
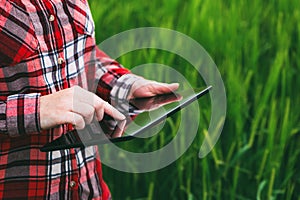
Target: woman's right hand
(75, 106)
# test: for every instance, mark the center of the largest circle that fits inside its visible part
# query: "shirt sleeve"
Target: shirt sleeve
(19, 115)
(115, 80)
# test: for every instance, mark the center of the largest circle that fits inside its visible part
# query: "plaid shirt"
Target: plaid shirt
(47, 46)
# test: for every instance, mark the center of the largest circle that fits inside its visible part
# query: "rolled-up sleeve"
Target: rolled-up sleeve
(110, 74)
(19, 115)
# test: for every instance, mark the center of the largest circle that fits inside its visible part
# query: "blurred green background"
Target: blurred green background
(255, 45)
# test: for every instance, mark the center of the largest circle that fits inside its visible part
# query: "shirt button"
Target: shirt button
(51, 18)
(60, 61)
(72, 184)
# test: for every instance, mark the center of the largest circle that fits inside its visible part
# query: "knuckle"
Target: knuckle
(89, 111)
(90, 114)
(99, 104)
(75, 89)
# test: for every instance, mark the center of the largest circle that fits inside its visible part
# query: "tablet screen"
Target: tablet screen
(141, 115)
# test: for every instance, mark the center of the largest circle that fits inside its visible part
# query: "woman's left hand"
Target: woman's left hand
(148, 88)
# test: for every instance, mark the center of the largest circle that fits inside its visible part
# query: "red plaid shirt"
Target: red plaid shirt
(47, 46)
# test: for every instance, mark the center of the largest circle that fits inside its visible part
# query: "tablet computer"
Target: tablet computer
(141, 115)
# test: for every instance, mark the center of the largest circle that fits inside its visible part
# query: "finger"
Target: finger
(85, 110)
(119, 129)
(84, 96)
(102, 107)
(163, 88)
(113, 112)
(75, 119)
(146, 88)
(99, 110)
(99, 104)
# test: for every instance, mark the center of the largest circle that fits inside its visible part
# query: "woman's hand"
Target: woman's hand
(147, 88)
(75, 106)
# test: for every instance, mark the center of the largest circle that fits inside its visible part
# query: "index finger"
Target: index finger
(112, 111)
(99, 104)
(103, 106)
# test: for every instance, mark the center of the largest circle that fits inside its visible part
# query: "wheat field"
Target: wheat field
(255, 45)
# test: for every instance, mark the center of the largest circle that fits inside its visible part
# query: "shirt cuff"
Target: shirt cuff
(122, 88)
(23, 114)
(108, 76)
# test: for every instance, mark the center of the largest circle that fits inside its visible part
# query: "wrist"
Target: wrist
(124, 87)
